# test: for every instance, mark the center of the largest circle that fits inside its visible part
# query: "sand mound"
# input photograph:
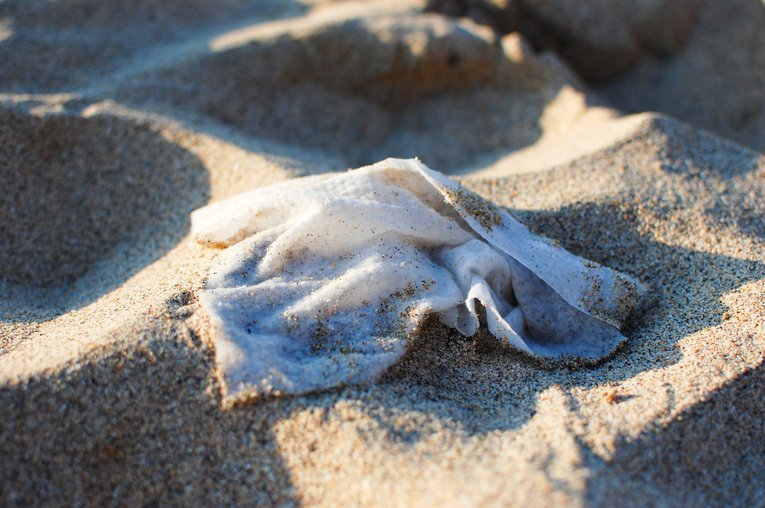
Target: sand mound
(75, 186)
(599, 38)
(702, 62)
(446, 90)
(141, 422)
(717, 82)
(107, 379)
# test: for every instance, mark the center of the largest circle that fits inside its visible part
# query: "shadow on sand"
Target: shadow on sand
(712, 454)
(457, 378)
(477, 386)
(76, 188)
(128, 430)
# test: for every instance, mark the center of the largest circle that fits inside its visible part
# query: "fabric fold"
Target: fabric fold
(324, 279)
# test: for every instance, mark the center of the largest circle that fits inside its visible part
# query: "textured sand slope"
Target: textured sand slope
(72, 191)
(457, 418)
(56, 46)
(99, 194)
(360, 82)
(717, 81)
(107, 381)
(702, 61)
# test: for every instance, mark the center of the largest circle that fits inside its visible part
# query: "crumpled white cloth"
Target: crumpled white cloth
(324, 278)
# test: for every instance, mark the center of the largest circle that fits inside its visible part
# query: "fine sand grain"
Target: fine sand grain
(108, 385)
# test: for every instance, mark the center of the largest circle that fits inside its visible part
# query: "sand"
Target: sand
(108, 386)
(708, 83)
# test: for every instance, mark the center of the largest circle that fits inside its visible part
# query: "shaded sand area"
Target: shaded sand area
(116, 123)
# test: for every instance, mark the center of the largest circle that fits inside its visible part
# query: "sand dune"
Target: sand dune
(115, 123)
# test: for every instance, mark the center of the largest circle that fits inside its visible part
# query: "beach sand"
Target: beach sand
(108, 385)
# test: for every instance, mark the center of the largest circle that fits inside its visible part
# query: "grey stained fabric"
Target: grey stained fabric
(323, 279)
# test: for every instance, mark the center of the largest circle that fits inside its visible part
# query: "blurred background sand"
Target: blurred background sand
(630, 132)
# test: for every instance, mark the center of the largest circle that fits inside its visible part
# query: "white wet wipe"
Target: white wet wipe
(323, 279)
